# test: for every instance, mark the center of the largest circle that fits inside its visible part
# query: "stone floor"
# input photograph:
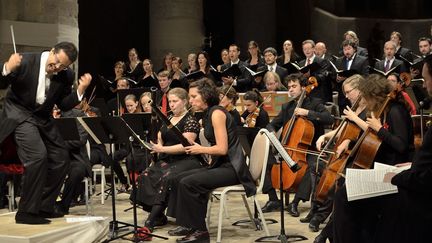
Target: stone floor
(230, 234)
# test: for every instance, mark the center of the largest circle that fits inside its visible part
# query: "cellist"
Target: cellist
(313, 110)
(320, 211)
(357, 221)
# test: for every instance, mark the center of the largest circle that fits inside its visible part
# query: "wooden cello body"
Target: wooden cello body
(368, 144)
(297, 136)
(335, 165)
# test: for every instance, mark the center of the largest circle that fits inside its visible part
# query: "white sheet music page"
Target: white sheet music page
(362, 183)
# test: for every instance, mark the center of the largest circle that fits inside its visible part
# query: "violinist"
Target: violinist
(254, 116)
(358, 221)
(313, 110)
(112, 104)
(228, 98)
(399, 85)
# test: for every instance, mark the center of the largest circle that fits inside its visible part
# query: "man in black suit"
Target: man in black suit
(243, 82)
(390, 61)
(37, 82)
(396, 37)
(270, 57)
(323, 90)
(351, 35)
(350, 61)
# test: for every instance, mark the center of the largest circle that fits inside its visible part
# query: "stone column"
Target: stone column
(175, 26)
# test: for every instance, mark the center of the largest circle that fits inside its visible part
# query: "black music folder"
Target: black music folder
(293, 67)
(343, 73)
(233, 71)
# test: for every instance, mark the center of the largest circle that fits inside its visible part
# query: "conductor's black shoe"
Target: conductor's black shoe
(308, 218)
(271, 206)
(195, 236)
(30, 218)
(179, 231)
(292, 209)
(314, 225)
(320, 239)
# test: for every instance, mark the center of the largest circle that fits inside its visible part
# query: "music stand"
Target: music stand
(283, 156)
(114, 130)
(140, 123)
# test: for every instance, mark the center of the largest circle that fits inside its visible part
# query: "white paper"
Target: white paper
(362, 183)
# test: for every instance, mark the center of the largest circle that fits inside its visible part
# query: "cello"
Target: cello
(368, 144)
(335, 165)
(297, 135)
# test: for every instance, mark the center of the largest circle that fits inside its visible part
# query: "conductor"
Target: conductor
(37, 82)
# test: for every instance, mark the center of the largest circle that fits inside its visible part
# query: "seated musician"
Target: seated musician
(320, 210)
(254, 115)
(399, 85)
(80, 164)
(358, 221)
(313, 110)
(273, 83)
(412, 222)
(227, 166)
(155, 184)
(145, 102)
(228, 98)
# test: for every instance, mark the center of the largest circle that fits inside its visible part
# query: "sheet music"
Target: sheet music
(369, 183)
(278, 146)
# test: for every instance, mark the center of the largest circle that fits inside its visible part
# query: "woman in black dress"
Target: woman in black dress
(358, 221)
(228, 98)
(155, 183)
(227, 165)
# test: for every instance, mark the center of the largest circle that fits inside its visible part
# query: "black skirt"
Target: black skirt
(157, 182)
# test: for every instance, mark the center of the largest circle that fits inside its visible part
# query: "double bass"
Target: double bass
(297, 135)
(335, 165)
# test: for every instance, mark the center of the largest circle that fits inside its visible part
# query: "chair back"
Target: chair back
(204, 142)
(259, 156)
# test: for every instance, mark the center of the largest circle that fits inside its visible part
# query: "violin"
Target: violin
(297, 135)
(250, 120)
(406, 78)
(85, 105)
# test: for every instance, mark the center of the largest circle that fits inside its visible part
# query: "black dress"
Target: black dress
(195, 186)
(397, 140)
(155, 183)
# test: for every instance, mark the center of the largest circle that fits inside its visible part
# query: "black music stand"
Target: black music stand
(140, 123)
(283, 157)
(115, 130)
(244, 134)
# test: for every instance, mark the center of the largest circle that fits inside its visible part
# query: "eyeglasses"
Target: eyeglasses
(349, 91)
(58, 64)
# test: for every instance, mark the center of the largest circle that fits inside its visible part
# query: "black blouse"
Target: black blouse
(187, 124)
